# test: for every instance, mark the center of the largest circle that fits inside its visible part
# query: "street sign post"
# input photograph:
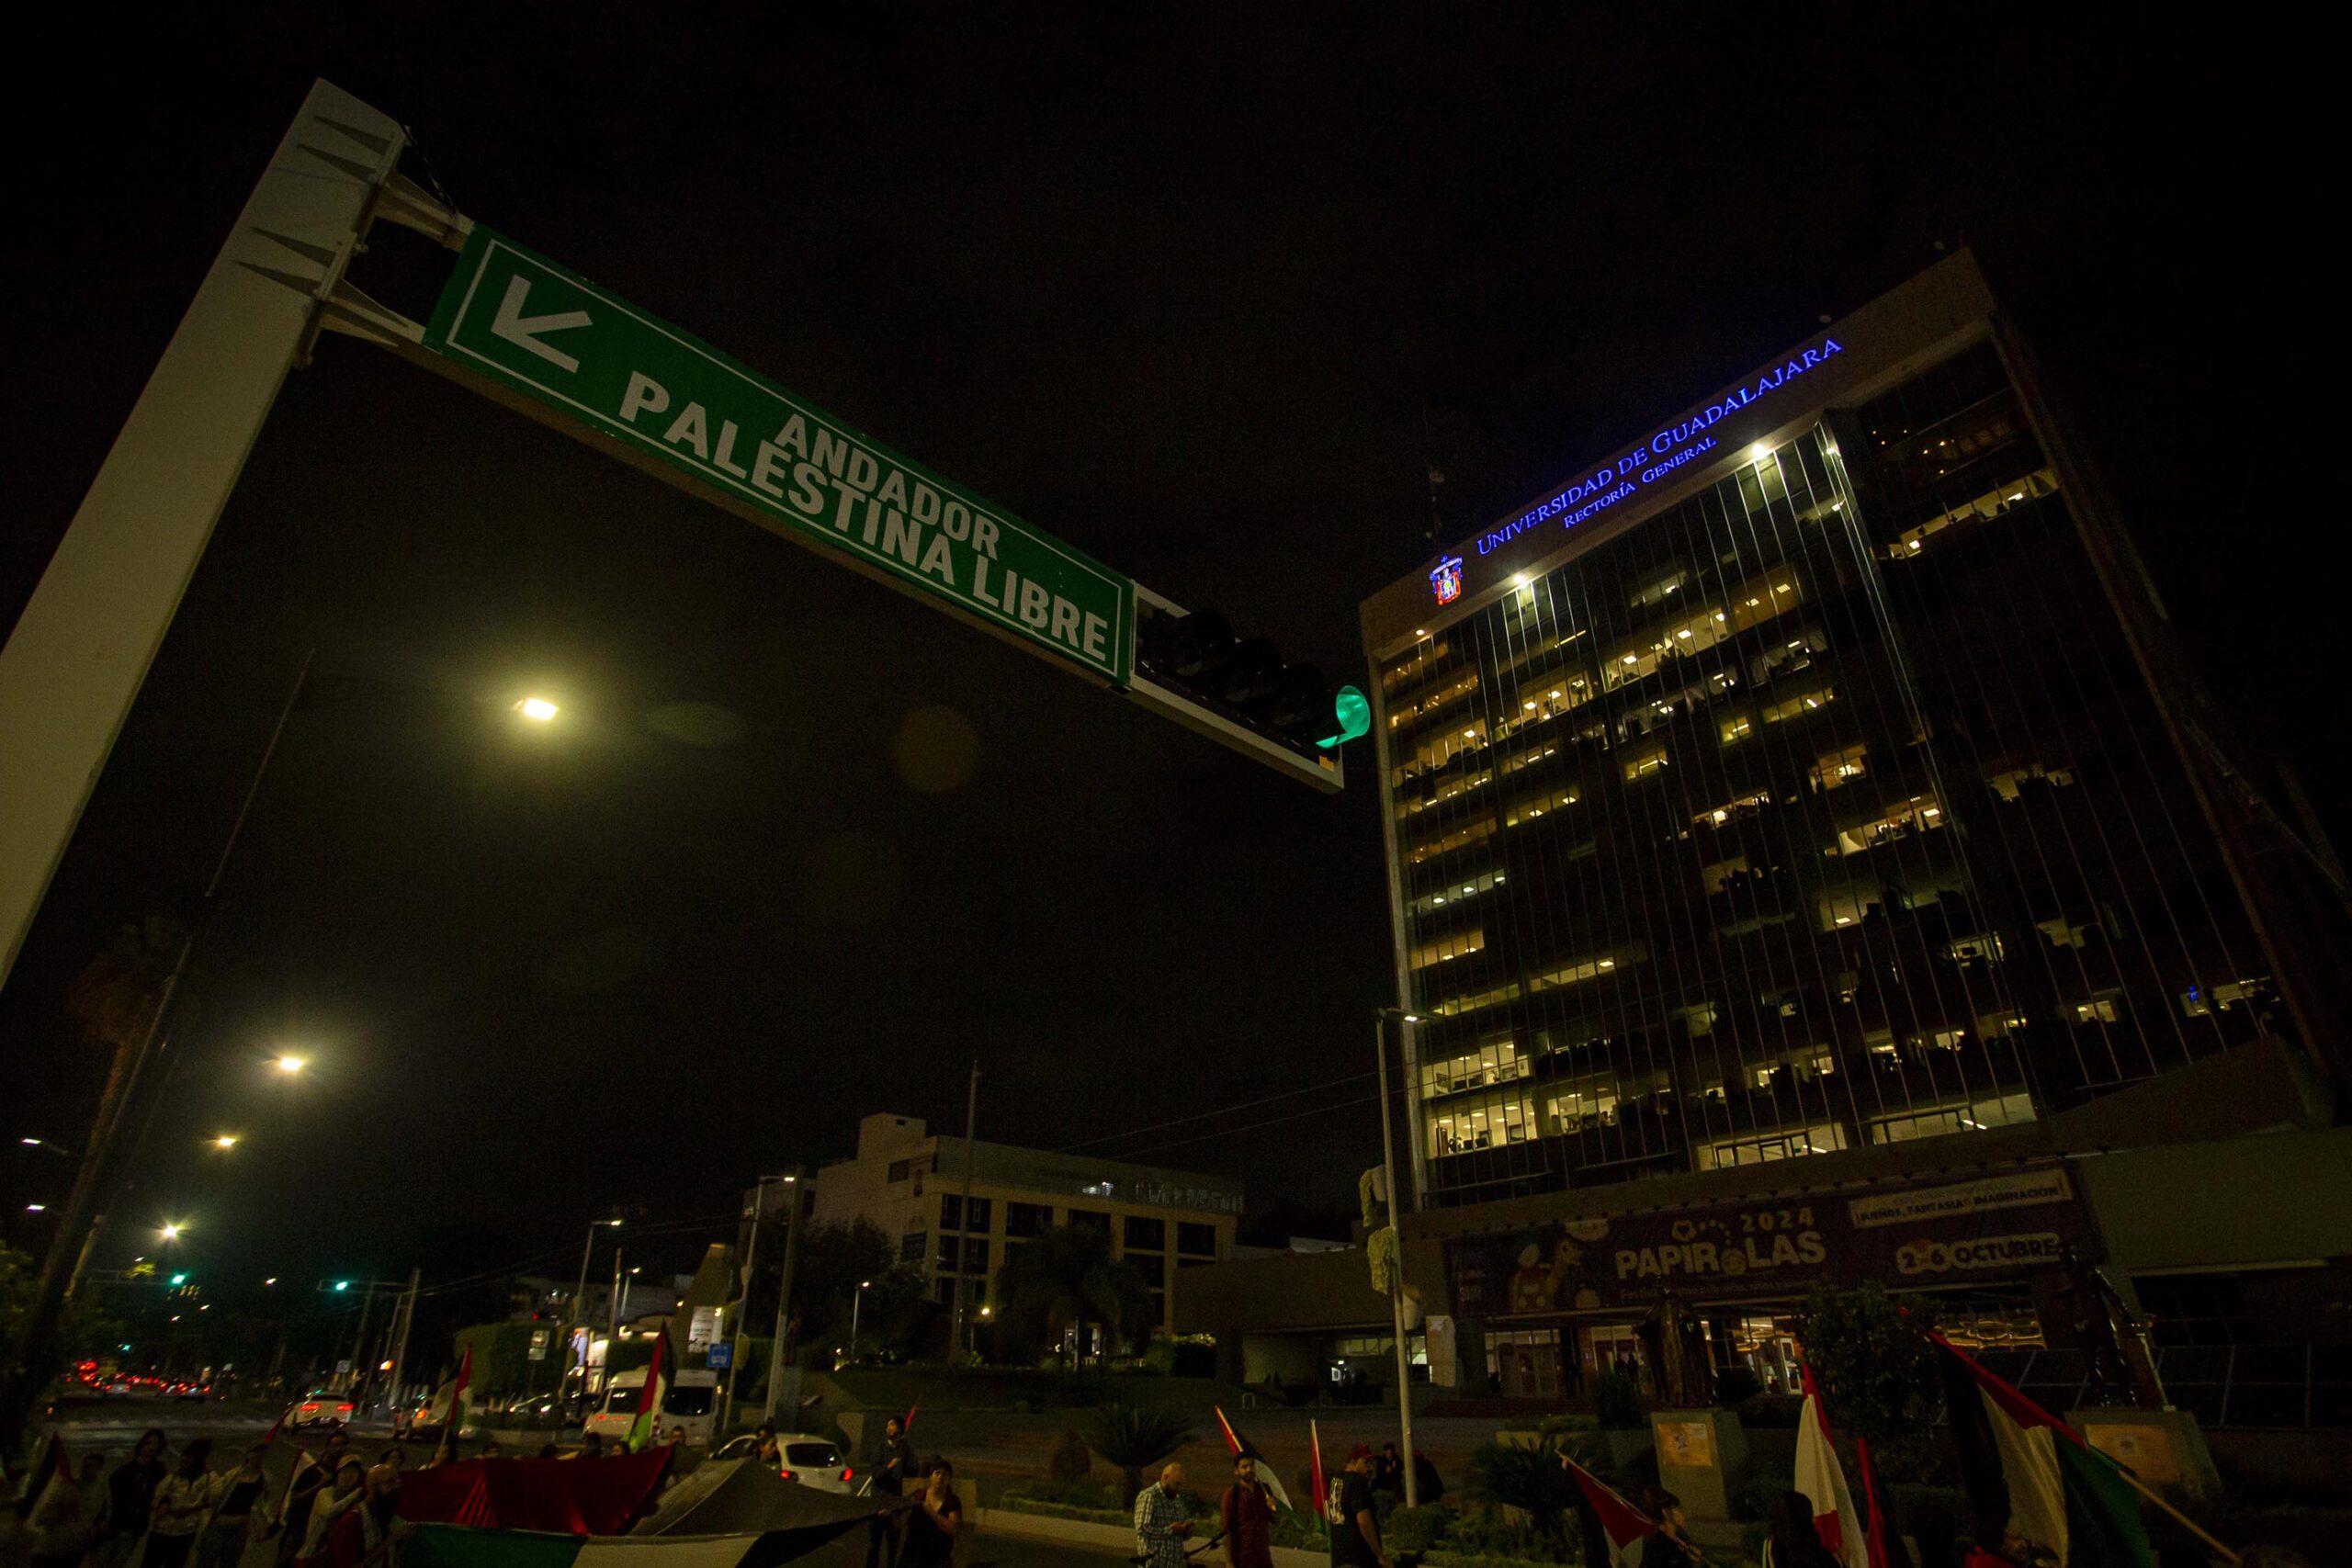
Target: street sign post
(538, 329)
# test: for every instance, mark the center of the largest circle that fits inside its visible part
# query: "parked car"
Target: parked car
(319, 1408)
(809, 1459)
(688, 1404)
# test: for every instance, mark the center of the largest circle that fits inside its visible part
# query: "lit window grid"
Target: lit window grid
(1542, 617)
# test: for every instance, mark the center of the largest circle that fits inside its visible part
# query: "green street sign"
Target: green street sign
(530, 325)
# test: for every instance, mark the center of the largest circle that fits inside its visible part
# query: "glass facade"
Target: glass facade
(1825, 809)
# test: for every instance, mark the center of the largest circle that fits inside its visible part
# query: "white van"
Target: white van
(692, 1403)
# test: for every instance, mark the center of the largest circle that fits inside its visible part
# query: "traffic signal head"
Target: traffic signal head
(1351, 710)
(343, 1284)
(1246, 681)
(180, 1278)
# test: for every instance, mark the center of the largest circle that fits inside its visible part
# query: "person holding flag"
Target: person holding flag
(1246, 1514)
(1242, 1448)
(1631, 1538)
(71, 1511)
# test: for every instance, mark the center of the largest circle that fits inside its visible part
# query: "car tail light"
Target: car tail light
(844, 1472)
(789, 1474)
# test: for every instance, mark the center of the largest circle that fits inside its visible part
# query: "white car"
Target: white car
(812, 1461)
(319, 1408)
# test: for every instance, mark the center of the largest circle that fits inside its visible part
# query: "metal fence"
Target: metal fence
(2223, 1385)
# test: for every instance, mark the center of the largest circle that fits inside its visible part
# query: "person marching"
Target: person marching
(71, 1512)
(240, 1517)
(889, 1468)
(182, 1500)
(1247, 1512)
(1162, 1521)
(131, 1493)
(931, 1528)
(1349, 1510)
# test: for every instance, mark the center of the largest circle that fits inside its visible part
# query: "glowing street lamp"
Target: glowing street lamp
(538, 710)
(289, 1065)
(170, 1229)
(225, 1141)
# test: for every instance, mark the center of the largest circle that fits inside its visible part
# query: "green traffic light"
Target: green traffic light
(180, 1278)
(343, 1284)
(1354, 714)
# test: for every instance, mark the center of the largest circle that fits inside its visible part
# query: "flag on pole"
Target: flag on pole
(1628, 1528)
(646, 1429)
(906, 1426)
(1315, 1470)
(1874, 1520)
(2022, 1465)
(457, 1387)
(1823, 1481)
(1240, 1447)
(304, 1462)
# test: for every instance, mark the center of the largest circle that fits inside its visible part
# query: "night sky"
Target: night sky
(1184, 286)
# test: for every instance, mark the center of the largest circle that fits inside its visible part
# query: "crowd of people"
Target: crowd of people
(158, 1508)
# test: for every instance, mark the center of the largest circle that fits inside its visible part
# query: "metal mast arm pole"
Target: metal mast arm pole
(1396, 1263)
(961, 1243)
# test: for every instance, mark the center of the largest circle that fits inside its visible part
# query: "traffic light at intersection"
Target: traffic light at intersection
(1245, 680)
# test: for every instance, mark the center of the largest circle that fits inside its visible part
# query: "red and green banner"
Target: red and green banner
(646, 1430)
(2021, 1464)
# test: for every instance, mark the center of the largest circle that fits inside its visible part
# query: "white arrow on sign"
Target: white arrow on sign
(516, 327)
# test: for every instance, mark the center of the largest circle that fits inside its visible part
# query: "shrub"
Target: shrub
(1418, 1530)
(1617, 1401)
(1078, 1493)
(1481, 1536)
(1136, 1439)
(1759, 1481)
(1876, 1371)
(1070, 1460)
(1528, 1476)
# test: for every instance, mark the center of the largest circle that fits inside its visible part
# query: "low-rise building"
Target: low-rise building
(912, 1183)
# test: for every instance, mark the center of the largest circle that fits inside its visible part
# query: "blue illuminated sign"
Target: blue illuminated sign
(1669, 449)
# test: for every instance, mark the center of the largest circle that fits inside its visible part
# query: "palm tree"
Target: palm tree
(1067, 1279)
(1134, 1440)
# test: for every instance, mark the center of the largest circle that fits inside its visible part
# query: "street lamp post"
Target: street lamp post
(750, 1256)
(579, 1296)
(856, 1303)
(1396, 1249)
(784, 1290)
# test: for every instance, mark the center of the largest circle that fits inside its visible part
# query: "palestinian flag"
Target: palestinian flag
(458, 1386)
(2021, 1464)
(1240, 1447)
(1316, 1479)
(1874, 1519)
(646, 1430)
(1628, 1530)
(1823, 1481)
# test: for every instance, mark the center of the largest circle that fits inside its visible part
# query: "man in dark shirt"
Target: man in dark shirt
(894, 1460)
(1355, 1527)
(892, 1466)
